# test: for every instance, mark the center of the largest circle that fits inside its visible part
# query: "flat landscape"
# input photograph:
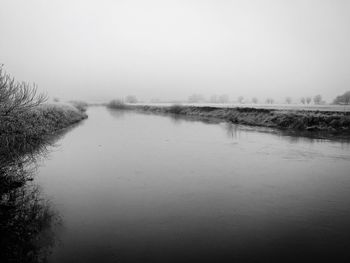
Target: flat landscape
(174, 131)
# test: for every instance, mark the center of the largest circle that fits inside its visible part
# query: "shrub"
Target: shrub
(25, 122)
(117, 104)
(131, 99)
(80, 105)
(175, 109)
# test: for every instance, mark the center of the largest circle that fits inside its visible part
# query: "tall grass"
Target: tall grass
(329, 123)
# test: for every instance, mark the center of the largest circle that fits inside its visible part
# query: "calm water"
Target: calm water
(143, 188)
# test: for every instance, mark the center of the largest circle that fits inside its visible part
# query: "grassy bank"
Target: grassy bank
(27, 126)
(26, 121)
(27, 221)
(323, 123)
(22, 132)
(24, 137)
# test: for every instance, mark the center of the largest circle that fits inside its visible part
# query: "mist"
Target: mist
(99, 50)
(174, 131)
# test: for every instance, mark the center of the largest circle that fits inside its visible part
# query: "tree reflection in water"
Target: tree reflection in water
(27, 222)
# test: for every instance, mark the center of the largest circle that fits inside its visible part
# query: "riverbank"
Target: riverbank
(322, 123)
(26, 135)
(21, 133)
(27, 221)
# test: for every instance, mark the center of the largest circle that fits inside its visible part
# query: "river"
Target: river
(132, 187)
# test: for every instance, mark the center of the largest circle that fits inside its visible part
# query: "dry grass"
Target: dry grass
(296, 120)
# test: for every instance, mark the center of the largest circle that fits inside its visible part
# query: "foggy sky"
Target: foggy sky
(103, 49)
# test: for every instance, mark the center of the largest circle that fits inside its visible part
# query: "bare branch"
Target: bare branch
(17, 97)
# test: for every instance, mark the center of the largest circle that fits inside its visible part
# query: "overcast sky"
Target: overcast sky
(102, 49)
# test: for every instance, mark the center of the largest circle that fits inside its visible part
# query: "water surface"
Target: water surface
(132, 187)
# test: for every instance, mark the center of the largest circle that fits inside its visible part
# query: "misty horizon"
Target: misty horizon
(168, 50)
(174, 131)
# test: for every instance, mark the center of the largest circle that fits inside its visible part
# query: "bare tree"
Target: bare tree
(224, 98)
(240, 99)
(131, 99)
(17, 97)
(288, 100)
(270, 101)
(318, 99)
(303, 100)
(195, 98)
(213, 99)
(308, 100)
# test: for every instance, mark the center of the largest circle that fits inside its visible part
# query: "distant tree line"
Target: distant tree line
(224, 98)
(318, 100)
(343, 99)
(131, 99)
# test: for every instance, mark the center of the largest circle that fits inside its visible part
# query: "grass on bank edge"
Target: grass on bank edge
(26, 120)
(328, 123)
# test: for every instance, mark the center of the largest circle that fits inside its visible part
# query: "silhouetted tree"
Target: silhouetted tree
(303, 100)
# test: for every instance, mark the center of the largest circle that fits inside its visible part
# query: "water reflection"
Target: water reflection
(27, 228)
(232, 130)
(146, 189)
(27, 221)
(292, 136)
(118, 114)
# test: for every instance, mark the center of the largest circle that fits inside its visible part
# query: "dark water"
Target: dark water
(143, 188)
